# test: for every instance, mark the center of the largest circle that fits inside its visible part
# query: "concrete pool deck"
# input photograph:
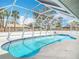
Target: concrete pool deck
(62, 50)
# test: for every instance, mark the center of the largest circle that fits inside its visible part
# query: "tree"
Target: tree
(6, 14)
(15, 15)
(39, 18)
(57, 23)
(1, 18)
(74, 24)
(3, 15)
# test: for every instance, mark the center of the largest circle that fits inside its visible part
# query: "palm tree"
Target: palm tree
(74, 24)
(57, 23)
(42, 17)
(3, 14)
(15, 15)
(2, 17)
(6, 14)
(37, 20)
(49, 24)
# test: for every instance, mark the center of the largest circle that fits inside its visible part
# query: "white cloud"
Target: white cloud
(27, 21)
(21, 19)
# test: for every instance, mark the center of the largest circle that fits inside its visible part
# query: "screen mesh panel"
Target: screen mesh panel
(73, 5)
(49, 2)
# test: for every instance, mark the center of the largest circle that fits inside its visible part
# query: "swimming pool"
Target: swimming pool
(28, 47)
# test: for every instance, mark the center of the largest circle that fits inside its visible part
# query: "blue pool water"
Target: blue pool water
(28, 47)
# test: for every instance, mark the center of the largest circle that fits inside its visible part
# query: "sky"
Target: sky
(29, 4)
(25, 3)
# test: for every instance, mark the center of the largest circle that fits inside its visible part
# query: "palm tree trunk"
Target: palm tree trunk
(5, 25)
(15, 25)
(0, 23)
